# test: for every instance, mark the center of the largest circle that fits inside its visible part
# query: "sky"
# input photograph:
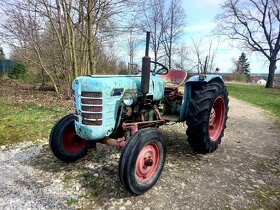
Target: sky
(200, 22)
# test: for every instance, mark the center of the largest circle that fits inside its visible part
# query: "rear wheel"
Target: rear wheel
(65, 144)
(207, 116)
(142, 161)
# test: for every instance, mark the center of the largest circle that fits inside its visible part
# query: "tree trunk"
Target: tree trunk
(272, 68)
(90, 37)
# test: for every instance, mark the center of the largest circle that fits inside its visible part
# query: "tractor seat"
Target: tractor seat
(174, 78)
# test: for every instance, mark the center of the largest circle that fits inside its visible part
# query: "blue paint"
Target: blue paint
(208, 78)
(107, 84)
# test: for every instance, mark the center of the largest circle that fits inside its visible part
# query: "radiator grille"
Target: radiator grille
(91, 101)
(91, 108)
(92, 116)
(92, 94)
(95, 123)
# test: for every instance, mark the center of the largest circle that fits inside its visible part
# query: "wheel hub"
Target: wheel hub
(71, 142)
(212, 117)
(147, 162)
(216, 119)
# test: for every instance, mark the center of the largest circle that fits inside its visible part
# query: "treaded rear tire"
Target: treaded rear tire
(202, 102)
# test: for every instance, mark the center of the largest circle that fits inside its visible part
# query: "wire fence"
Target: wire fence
(6, 66)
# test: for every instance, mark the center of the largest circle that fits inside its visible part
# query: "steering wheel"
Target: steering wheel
(162, 71)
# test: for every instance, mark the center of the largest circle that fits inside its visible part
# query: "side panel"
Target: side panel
(158, 88)
(188, 90)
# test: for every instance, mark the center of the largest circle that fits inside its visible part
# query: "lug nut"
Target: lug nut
(148, 162)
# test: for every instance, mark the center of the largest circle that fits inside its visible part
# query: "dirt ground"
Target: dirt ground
(244, 172)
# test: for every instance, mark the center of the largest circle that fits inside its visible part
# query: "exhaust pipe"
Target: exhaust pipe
(146, 67)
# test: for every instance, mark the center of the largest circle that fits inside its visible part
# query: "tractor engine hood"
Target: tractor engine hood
(110, 83)
(98, 98)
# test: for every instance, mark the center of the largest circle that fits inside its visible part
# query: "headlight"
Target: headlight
(129, 98)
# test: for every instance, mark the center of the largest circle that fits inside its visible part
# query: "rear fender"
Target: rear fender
(192, 84)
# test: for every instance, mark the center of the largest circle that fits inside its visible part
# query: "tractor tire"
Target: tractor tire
(207, 116)
(142, 161)
(64, 143)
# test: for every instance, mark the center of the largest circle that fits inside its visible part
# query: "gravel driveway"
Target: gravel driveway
(244, 173)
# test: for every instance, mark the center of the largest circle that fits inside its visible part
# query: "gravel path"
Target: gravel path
(244, 173)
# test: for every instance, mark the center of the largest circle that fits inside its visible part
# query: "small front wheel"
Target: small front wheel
(65, 144)
(142, 161)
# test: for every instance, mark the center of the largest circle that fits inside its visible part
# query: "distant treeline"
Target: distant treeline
(253, 77)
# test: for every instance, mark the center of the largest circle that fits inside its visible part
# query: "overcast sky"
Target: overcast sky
(200, 18)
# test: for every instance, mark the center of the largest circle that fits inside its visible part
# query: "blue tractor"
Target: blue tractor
(126, 110)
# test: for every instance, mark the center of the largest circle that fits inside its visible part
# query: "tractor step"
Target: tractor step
(172, 118)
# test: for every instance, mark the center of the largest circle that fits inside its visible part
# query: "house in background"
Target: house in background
(261, 82)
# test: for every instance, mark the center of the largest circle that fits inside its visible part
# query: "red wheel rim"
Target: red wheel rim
(71, 142)
(147, 162)
(216, 119)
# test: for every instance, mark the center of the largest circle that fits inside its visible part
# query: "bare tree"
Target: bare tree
(203, 54)
(151, 20)
(22, 31)
(173, 25)
(182, 55)
(61, 37)
(256, 24)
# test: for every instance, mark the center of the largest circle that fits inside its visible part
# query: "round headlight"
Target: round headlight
(128, 98)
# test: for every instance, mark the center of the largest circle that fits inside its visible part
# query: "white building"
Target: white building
(261, 82)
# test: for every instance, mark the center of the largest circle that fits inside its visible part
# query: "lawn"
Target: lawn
(27, 121)
(266, 98)
(28, 114)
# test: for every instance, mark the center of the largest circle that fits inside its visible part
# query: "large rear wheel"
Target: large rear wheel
(207, 116)
(65, 144)
(142, 161)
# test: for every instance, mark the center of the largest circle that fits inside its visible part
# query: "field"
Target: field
(27, 113)
(268, 99)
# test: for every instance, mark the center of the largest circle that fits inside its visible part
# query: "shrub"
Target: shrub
(241, 77)
(19, 71)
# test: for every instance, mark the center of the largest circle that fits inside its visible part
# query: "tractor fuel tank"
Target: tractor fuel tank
(98, 99)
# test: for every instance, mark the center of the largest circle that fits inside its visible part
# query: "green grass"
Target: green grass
(266, 98)
(27, 121)
(71, 201)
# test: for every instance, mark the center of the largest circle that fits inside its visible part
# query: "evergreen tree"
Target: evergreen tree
(2, 55)
(19, 71)
(243, 65)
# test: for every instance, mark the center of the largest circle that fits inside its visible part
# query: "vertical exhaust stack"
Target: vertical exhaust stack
(146, 67)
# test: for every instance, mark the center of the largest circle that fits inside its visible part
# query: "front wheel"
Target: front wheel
(207, 116)
(142, 161)
(65, 144)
